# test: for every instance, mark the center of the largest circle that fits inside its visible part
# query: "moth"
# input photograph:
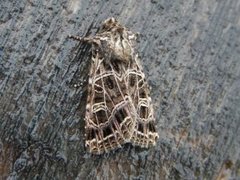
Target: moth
(119, 108)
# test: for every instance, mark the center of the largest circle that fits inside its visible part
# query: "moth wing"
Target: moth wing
(144, 134)
(110, 113)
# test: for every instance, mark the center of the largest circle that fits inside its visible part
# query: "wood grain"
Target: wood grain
(190, 52)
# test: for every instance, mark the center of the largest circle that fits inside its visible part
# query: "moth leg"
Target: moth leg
(138, 35)
(89, 40)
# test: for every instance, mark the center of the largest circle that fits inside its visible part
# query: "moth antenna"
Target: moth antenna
(89, 40)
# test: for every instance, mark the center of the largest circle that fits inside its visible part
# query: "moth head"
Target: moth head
(111, 24)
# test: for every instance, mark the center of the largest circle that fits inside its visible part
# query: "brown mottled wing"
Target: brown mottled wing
(120, 108)
(144, 134)
(110, 116)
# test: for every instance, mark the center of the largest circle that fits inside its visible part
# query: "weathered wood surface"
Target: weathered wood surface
(191, 55)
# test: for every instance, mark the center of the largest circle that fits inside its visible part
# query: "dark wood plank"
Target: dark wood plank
(190, 52)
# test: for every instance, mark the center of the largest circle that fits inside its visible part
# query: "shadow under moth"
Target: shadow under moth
(119, 108)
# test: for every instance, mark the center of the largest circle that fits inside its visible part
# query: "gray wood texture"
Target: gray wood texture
(190, 52)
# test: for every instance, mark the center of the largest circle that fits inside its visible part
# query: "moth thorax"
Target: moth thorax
(122, 51)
